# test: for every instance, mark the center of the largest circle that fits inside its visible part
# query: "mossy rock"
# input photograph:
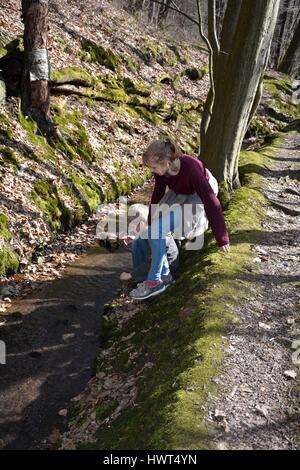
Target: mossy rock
(45, 196)
(165, 79)
(131, 64)
(194, 73)
(72, 74)
(150, 52)
(280, 99)
(135, 88)
(4, 227)
(259, 126)
(9, 157)
(91, 193)
(75, 140)
(5, 127)
(101, 55)
(9, 261)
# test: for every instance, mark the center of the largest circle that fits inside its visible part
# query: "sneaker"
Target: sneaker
(143, 291)
(168, 279)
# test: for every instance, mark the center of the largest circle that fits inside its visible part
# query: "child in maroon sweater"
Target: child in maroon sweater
(190, 185)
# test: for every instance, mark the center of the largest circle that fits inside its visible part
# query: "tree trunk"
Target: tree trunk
(237, 87)
(291, 60)
(280, 27)
(219, 62)
(35, 98)
(163, 12)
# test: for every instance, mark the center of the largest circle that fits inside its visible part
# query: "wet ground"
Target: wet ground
(52, 338)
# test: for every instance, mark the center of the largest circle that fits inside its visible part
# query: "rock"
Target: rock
(264, 326)
(290, 374)
(2, 91)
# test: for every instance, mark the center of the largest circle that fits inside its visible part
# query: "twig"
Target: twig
(178, 11)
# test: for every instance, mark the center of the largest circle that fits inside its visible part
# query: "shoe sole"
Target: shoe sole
(152, 294)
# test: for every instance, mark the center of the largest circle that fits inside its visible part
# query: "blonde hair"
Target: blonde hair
(161, 151)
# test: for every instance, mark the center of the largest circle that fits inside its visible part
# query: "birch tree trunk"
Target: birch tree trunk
(237, 84)
(35, 95)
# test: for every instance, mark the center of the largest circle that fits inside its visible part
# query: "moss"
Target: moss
(281, 95)
(5, 127)
(75, 140)
(101, 55)
(124, 183)
(127, 111)
(4, 227)
(46, 197)
(189, 112)
(70, 74)
(194, 73)
(105, 408)
(259, 126)
(148, 115)
(135, 88)
(9, 157)
(165, 78)
(89, 190)
(44, 150)
(179, 338)
(131, 64)
(160, 53)
(9, 261)
(3, 52)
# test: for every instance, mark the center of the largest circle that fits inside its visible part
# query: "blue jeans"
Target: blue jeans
(156, 235)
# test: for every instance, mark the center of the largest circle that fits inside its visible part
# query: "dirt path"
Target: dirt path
(258, 404)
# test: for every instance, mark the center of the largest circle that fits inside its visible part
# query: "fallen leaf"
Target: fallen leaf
(291, 374)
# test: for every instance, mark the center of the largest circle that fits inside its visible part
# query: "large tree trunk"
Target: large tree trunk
(280, 27)
(237, 84)
(36, 75)
(291, 60)
(226, 44)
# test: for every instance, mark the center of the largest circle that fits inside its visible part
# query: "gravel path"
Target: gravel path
(258, 402)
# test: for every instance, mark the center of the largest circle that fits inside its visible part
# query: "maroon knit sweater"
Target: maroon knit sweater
(193, 178)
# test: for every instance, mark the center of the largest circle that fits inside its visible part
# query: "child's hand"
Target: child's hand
(225, 248)
(125, 276)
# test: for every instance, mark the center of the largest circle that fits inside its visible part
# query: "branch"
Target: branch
(205, 39)
(178, 11)
(212, 33)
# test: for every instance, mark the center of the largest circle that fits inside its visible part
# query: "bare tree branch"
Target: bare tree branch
(210, 99)
(178, 11)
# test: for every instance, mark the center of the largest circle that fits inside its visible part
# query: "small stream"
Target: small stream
(52, 338)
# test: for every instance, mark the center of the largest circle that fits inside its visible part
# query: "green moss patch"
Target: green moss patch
(72, 74)
(4, 227)
(280, 91)
(101, 55)
(46, 197)
(153, 52)
(9, 262)
(9, 156)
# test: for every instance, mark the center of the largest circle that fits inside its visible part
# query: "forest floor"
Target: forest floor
(258, 404)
